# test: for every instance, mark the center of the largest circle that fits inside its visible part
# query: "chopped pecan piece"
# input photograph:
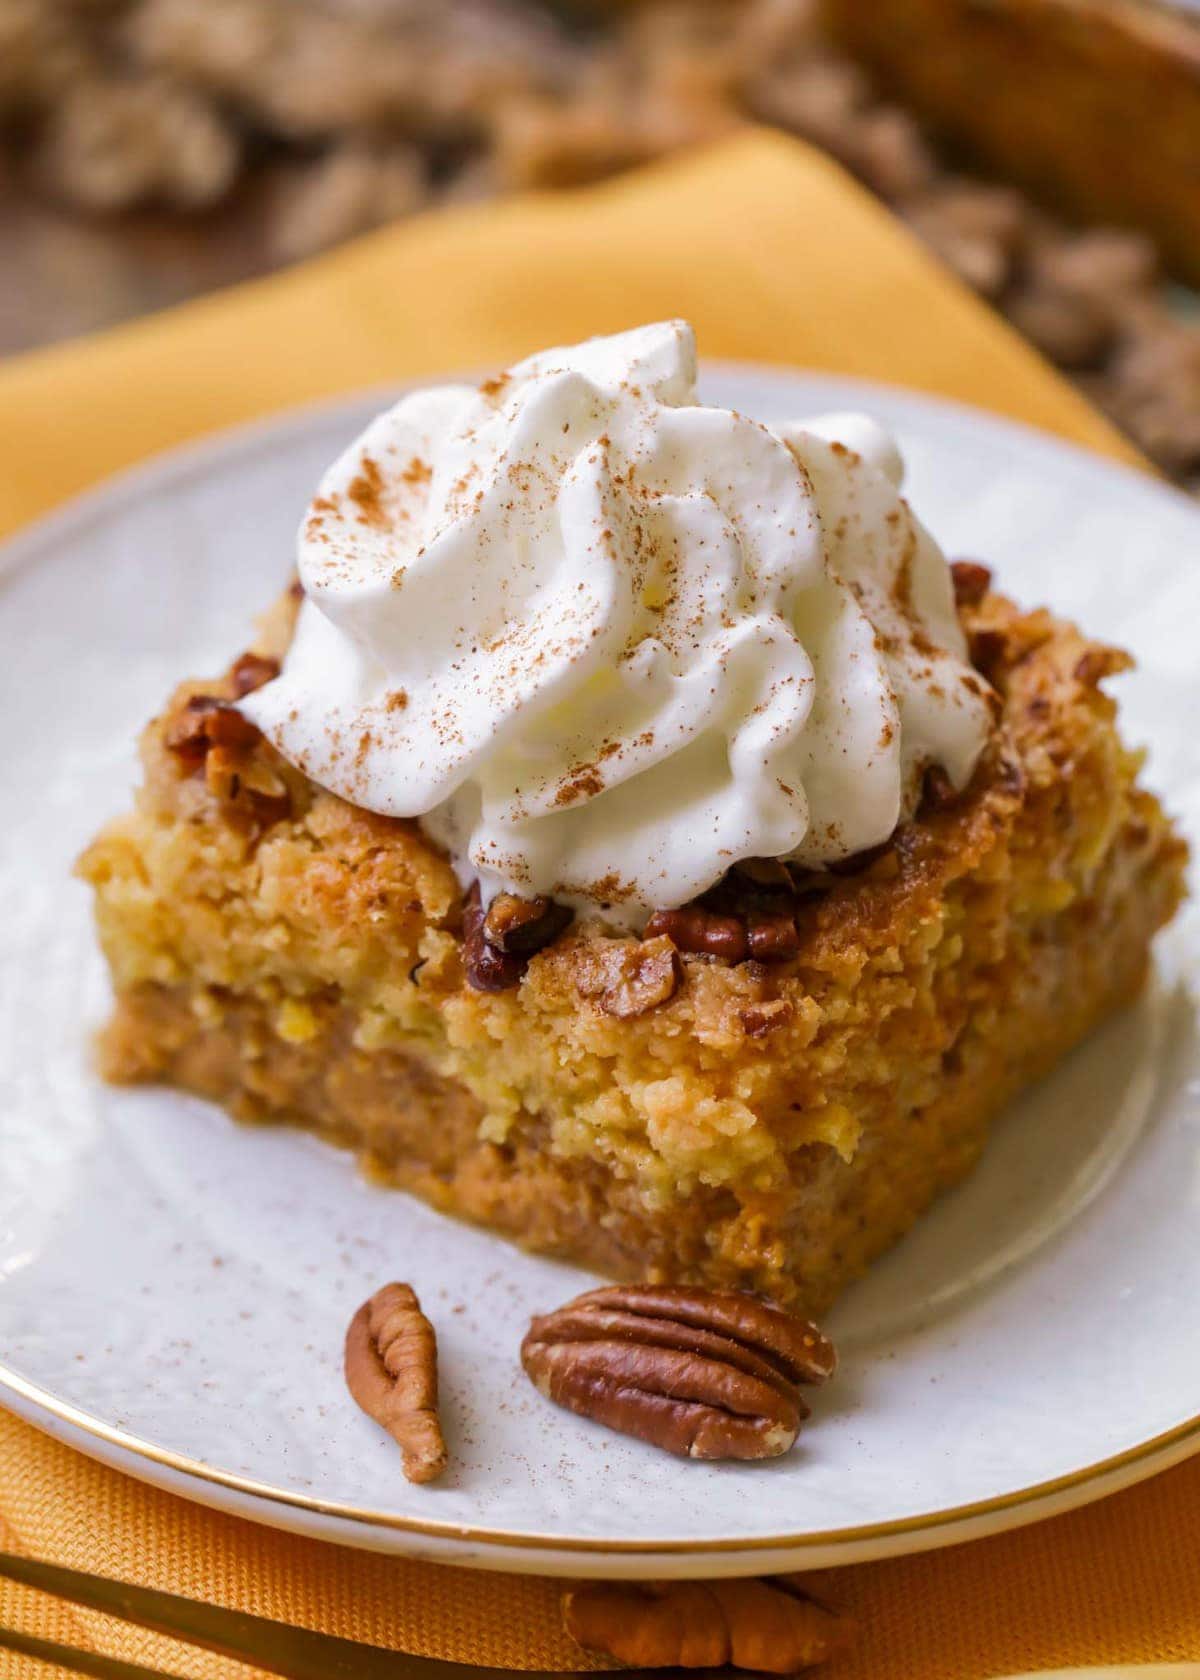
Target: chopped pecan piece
(391, 1371)
(773, 937)
(989, 652)
(238, 777)
(1098, 662)
(971, 581)
(488, 968)
(521, 926)
(203, 722)
(769, 1627)
(629, 977)
(701, 931)
(758, 1019)
(211, 738)
(251, 671)
(701, 1373)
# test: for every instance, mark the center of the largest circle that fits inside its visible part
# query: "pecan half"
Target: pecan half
(521, 926)
(938, 792)
(769, 1627)
(629, 977)
(391, 1371)
(772, 937)
(701, 931)
(972, 580)
(701, 1373)
(497, 945)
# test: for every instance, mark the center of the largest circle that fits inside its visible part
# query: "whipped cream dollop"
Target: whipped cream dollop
(604, 640)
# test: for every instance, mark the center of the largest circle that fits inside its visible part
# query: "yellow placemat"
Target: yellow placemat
(775, 256)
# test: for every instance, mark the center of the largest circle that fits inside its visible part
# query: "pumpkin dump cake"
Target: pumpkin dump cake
(631, 834)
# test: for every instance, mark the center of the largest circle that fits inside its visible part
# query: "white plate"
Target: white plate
(174, 1288)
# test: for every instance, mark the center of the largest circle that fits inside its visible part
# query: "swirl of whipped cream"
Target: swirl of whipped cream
(604, 640)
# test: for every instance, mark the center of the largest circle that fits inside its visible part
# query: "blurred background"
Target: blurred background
(1047, 150)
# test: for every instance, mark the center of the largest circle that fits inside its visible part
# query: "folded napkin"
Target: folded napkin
(765, 245)
(776, 256)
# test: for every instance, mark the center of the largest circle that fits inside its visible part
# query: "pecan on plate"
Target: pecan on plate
(391, 1371)
(701, 1373)
(769, 1627)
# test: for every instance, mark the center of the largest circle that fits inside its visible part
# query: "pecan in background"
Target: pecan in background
(770, 1627)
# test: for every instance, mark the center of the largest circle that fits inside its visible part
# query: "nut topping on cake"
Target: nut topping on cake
(203, 722)
(628, 977)
(759, 1019)
(765, 936)
(523, 925)
(208, 737)
(489, 969)
(971, 580)
(701, 931)
(250, 672)
(391, 1371)
(699, 1373)
(498, 944)
(772, 937)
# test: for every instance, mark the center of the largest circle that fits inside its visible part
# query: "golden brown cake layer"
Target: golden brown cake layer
(771, 1126)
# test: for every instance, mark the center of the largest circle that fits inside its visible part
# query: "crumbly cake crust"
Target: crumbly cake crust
(769, 1126)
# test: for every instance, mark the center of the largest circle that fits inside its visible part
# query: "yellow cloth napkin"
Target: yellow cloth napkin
(776, 256)
(765, 245)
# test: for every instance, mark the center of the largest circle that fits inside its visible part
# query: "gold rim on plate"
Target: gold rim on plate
(65, 1412)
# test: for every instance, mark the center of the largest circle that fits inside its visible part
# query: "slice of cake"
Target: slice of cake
(632, 835)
